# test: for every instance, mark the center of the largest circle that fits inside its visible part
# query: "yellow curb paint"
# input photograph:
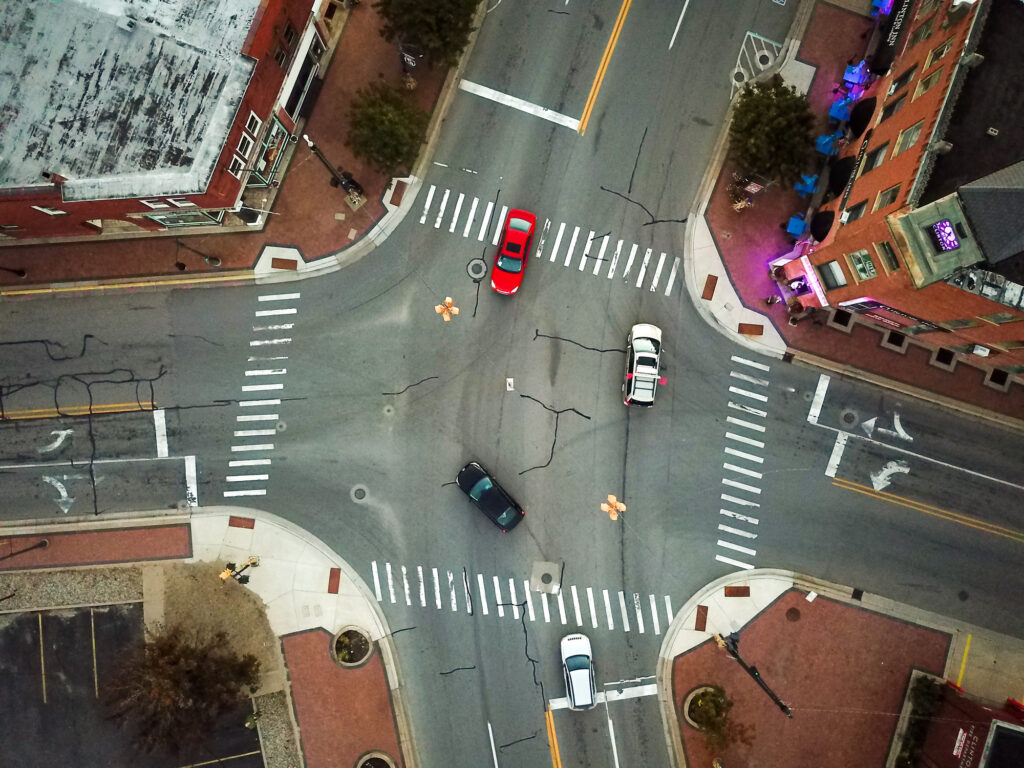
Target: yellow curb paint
(78, 410)
(928, 509)
(120, 286)
(963, 662)
(42, 661)
(603, 66)
(556, 757)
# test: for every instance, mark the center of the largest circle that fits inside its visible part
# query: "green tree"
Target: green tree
(771, 131)
(440, 27)
(173, 690)
(386, 128)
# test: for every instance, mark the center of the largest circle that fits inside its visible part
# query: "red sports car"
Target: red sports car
(510, 260)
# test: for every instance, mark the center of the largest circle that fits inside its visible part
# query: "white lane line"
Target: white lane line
(391, 581)
(631, 692)
(736, 531)
(747, 424)
(440, 210)
(742, 470)
(257, 447)
(730, 561)
(254, 432)
(512, 598)
(600, 255)
(639, 613)
(561, 607)
(751, 363)
(229, 494)
(744, 439)
(265, 342)
(278, 327)
(523, 106)
(657, 272)
(672, 276)
(470, 219)
(558, 241)
(625, 617)
(272, 312)
(668, 610)
(750, 379)
(738, 516)
(678, 24)
(376, 581)
(265, 358)
(494, 752)
(426, 206)
(572, 245)
(611, 736)
(483, 593)
(837, 454)
(405, 585)
(455, 213)
(261, 387)
(654, 616)
(249, 463)
(257, 417)
(486, 221)
(279, 297)
(593, 609)
(741, 486)
(742, 455)
(819, 398)
(500, 223)
(259, 403)
(586, 250)
(529, 600)
(629, 261)
(160, 428)
(615, 260)
(741, 502)
(451, 590)
(576, 606)
(544, 604)
(608, 609)
(748, 409)
(245, 478)
(643, 267)
(748, 393)
(437, 589)
(497, 597)
(423, 587)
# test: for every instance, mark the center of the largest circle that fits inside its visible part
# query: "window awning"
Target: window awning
(888, 36)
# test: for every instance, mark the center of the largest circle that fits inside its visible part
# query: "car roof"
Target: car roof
(646, 331)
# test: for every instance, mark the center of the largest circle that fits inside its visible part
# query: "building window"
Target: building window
(862, 265)
(290, 36)
(181, 202)
(959, 324)
(1001, 318)
(887, 197)
(928, 83)
(907, 138)
(281, 56)
(154, 204)
(901, 82)
(893, 107)
(253, 124)
(236, 166)
(854, 212)
(832, 275)
(923, 32)
(50, 211)
(887, 254)
(874, 158)
(245, 145)
(938, 53)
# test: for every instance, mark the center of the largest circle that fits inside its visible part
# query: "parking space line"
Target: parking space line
(593, 610)
(497, 598)
(654, 615)
(529, 600)
(608, 609)
(483, 594)
(512, 598)
(576, 606)
(622, 607)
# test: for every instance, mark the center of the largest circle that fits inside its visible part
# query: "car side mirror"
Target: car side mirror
(663, 381)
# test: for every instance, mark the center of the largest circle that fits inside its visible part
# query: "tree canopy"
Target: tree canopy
(771, 133)
(386, 128)
(440, 27)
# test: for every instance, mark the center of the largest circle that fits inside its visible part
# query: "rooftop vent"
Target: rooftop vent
(992, 131)
(127, 23)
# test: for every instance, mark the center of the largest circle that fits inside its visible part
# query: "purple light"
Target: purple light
(945, 235)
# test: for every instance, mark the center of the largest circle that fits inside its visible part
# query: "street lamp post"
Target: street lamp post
(16, 272)
(731, 644)
(340, 178)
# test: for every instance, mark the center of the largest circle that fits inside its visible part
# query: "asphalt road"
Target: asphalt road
(380, 403)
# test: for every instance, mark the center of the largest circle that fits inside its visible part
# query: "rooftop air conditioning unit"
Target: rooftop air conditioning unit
(127, 23)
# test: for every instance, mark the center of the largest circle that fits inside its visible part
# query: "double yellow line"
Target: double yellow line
(556, 757)
(78, 410)
(928, 509)
(599, 78)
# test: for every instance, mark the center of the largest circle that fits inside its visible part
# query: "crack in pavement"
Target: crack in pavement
(539, 684)
(401, 392)
(537, 335)
(194, 336)
(636, 162)
(650, 215)
(554, 437)
(517, 741)
(457, 669)
(47, 344)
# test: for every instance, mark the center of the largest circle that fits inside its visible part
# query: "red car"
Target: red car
(510, 260)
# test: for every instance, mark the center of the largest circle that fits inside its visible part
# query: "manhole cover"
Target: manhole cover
(281, 426)
(793, 614)
(849, 417)
(764, 59)
(547, 578)
(477, 268)
(359, 493)
(388, 410)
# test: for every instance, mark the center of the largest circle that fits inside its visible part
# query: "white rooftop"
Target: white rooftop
(120, 109)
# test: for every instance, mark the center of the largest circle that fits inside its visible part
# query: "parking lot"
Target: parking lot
(54, 666)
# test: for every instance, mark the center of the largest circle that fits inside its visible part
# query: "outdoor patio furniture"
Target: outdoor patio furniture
(857, 74)
(827, 144)
(796, 226)
(840, 109)
(806, 186)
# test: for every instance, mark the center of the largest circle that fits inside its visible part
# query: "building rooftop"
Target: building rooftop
(990, 98)
(124, 98)
(993, 205)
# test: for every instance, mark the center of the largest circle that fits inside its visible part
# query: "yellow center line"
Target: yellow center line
(556, 757)
(603, 67)
(238, 276)
(928, 509)
(963, 662)
(78, 410)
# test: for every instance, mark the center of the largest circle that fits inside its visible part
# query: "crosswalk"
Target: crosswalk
(743, 463)
(584, 249)
(457, 591)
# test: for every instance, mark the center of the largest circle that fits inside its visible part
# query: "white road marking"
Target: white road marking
(730, 561)
(632, 692)
(742, 470)
(469, 219)
(837, 454)
(586, 250)
(512, 598)
(615, 260)
(736, 547)
(668, 609)
(748, 409)
(257, 417)
(483, 594)
(751, 363)
(376, 581)
(486, 221)
(272, 312)
(261, 387)
(257, 447)
(639, 613)
(469, 595)
(279, 327)
(741, 502)
(229, 494)
(741, 486)
(259, 403)
(437, 589)
(543, 238)
(643, 267)
(744, 439)
(678, 24)
(455, 213)
(423, 586)
(500, 223)
(747, 424)
(572, 245)
(672, 276)
(249, 463)
(629, 261)
(576, 605)
(608, 609)
(279, 297)
(611, 737)
(523, 106)
(265, 358)
(265, 342)
(748, 393)
(405, 585)
(440, 210)
(600, 255)
(245, 478)
(426, 206)
(391, 582)
(738, 516)
(497, 597)
(742, 455)
(254, 432)
(529, 600)
(561, 607)
(544, 604)
(558, 241)
(657, 272)
(593, 609)
(750, 379)
(160, 427)
(736, 531)
(622, 607)
(654, 615)
(819, 398)
(451, 590)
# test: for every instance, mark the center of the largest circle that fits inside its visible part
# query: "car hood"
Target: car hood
(504, 281)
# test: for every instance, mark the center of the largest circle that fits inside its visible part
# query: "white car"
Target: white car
(643, 365)
(578, 668)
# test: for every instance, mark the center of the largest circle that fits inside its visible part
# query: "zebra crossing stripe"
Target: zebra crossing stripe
(738, 516)
(615, 260)
(600, 254)
(455, 215)
(657, 272)
(576, 606)
(426, 206)
(672, 276)
(469, 219)
(451, 588)
(437, 589)
(561, 607)
(529, 600)
(486, 221)
(572, 245)
(643, 267)
(622, 607)
(544, 602)
(500, 224)
(405, 585)
(543, 238)
(668, 608)
(376, 581)
(608, 609)
(512, 597)
(586, 250)
(629, 261)
(593, 611)
(483, 593)
(558, 241)
(440, 211)
(654, 615)
(423, 587)
(391, 582)
(639, 613)
(497, 597)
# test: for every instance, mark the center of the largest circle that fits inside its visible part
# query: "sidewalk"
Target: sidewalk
(841, 663)
(310, 594)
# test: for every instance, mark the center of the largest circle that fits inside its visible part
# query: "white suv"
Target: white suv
(578, 668)
(643, 365)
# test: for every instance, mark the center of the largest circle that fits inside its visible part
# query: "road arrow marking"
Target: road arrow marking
(65, 501)
(62, 435)
(900, 432)
(881, 479)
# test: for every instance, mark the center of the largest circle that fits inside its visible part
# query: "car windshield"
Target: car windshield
(510, 263)
(642, 344)
(576, 663)
(481, 487)
(520, 224)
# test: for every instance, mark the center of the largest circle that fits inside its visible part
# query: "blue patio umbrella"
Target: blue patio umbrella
(857, 74)
(826, 143)
(841, 109)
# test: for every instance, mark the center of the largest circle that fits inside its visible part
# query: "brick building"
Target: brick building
(129, 117)
(921, 228)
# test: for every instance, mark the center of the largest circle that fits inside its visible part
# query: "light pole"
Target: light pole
(731, 644)
(16, 272)
(340, 178)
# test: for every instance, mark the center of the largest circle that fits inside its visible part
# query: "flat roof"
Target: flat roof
(121, 110)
